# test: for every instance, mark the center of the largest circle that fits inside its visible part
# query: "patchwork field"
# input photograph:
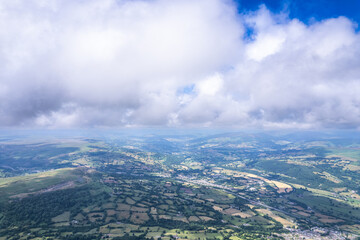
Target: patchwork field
(231, 186)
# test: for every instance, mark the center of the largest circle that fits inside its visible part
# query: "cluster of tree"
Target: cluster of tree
(39, 209)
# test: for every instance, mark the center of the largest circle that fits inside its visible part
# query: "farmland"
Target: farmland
(187, 186)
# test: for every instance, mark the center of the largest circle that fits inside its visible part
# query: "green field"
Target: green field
(228, 186)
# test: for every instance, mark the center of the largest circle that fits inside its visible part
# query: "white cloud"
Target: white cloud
(210, 86)
(173, 63)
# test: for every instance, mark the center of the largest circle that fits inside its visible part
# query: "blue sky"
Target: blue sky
(180, 63)
(308, 10)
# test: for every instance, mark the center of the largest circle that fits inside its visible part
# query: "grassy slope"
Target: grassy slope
(36, 182)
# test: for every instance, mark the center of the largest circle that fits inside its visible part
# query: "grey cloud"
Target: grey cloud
(126, 63)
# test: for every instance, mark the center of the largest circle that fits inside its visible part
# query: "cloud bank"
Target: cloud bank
(174, 63)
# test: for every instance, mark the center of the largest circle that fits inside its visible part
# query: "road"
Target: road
(229, 190)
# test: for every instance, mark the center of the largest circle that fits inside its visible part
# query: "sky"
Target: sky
(307, 10)
(180, 63)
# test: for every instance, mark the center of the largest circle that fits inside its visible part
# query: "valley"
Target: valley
(161, 185)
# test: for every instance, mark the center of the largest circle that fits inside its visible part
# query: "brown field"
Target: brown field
(96, 209)
(235, 212)
(165, 207)
(123, 207)
(198, 200)
(164, 217)
(194, 219)
(330, 220)
(95, 216)
(142, 205)
(170, 194)
(200, 213)
(139, 209)
(223, 206)
(204, 218)
(283, 221)
(250, 206)
(246, 214)
(238, 213)
(130, 201)
(216, 208)
(123, 215)
(108, 205)
(327, 219)
(299, 208)
(139, 218)
(281, 187)
(319, 215)
(183, 219)
(303, 214)
(110, 212)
